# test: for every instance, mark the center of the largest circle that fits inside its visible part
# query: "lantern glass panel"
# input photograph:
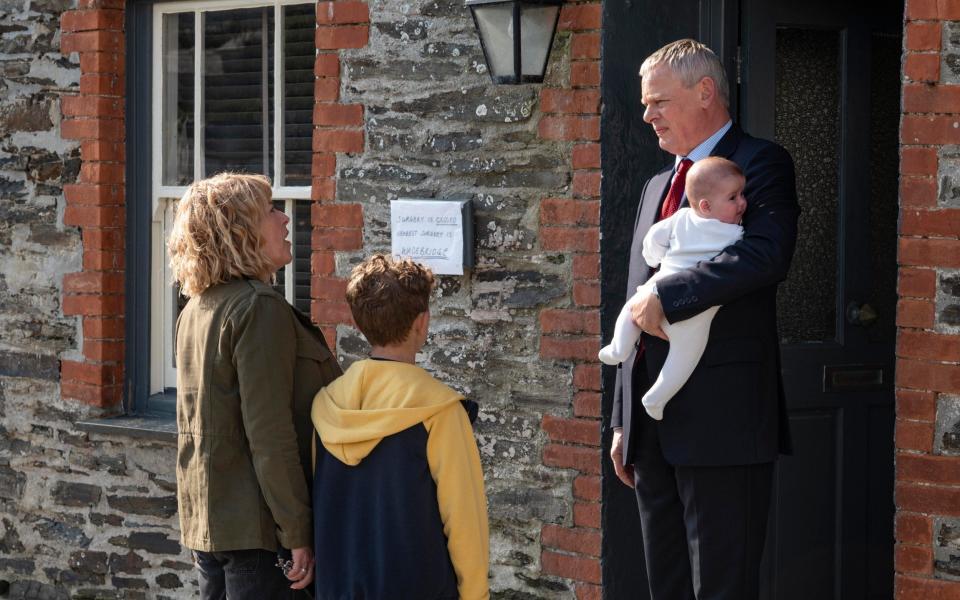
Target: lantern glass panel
(495, 22)
(536, 32)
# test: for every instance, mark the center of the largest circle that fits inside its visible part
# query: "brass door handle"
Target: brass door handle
(861, 314)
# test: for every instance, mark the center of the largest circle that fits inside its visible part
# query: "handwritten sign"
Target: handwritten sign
(429, 232)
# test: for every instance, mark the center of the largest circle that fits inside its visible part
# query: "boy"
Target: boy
(714, 188)
(398, 501)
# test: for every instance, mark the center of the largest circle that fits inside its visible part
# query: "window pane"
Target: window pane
(302, 229)
(806, 302)
(238, 91)
(536, 29)
(299, 54)
(496, 29)
(177, 101)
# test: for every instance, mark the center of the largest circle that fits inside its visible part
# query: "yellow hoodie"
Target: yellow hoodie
(375, 399)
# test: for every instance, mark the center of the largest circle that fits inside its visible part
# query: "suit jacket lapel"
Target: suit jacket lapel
(724, 148)
(656, 192)
(728, 143)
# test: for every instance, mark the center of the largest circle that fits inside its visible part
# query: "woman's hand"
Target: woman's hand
(301, 574)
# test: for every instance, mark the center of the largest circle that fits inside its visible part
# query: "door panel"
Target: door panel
(804, 556)
(808, 80)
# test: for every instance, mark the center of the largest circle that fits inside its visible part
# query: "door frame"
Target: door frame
(629, 154)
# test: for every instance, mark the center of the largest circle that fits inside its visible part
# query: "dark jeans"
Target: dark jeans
(242, 575)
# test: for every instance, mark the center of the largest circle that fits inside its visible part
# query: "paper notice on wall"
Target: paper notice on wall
(429, 232)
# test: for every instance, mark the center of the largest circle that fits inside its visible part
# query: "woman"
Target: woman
(248, 366)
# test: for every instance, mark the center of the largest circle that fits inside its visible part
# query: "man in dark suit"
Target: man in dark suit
(703, 475)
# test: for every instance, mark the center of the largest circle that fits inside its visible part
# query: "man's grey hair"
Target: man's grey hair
(691, 61)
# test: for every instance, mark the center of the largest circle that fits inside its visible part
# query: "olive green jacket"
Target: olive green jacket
(248, 367)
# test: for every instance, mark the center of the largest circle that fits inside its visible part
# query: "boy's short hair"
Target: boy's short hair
(386, 295)
(705, 174)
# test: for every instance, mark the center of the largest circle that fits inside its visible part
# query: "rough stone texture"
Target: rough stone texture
(948, 301)
(947, 440)
(948, 175)
(950, 55)
(437, 128)
(946, 548)
(93, 516)
(64, 494)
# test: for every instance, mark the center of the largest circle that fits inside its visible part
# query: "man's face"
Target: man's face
(674, 111)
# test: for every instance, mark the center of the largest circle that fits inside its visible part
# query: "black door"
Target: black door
(822, 79)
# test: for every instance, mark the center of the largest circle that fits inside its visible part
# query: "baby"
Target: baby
(714, 188)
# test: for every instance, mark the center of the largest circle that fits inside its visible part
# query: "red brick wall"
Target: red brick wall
(338, 129)
(572, 114)
(928, 356)
(95, 204)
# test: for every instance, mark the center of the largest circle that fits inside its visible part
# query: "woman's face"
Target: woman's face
(273, 235)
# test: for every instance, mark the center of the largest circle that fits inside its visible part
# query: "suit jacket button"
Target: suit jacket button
(694, 299)
(676, 303)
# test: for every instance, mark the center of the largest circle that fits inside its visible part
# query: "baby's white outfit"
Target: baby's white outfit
(675, 243)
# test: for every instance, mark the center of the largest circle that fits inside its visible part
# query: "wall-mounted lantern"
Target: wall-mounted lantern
(516, 36)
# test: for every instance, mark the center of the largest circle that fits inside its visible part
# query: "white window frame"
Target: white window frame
(163, 375)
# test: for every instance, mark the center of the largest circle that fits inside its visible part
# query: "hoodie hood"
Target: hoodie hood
(372, 400)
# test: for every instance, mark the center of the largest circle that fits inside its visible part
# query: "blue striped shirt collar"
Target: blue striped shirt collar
(706, 146)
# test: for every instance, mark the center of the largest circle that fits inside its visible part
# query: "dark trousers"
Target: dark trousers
(703, 527)
(241, 575)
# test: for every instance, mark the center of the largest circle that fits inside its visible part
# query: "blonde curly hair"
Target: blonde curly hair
(216, 232)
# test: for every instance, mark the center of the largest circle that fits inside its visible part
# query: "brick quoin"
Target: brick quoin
(95, 203)
(341, 38)
(916, 282)
(913, 559)
(586, 487)
(558, 320)
(922, 67)
(340, 13)
(587, 591)
(917, 160)
(913, 528)
(585, 46)
(338, 130)
(571, 333)
(927, 485)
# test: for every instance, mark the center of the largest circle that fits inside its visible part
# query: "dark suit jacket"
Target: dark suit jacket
(731, 411)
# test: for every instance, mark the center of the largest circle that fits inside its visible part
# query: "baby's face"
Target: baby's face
(726, 202)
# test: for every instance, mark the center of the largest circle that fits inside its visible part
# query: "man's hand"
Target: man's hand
(648, 315)
(625, 473)
(301, 574)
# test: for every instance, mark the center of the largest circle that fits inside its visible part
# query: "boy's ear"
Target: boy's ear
(422, 322)
(703, 206)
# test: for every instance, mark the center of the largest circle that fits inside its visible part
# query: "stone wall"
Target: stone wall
(81, 515)
(405, 109)
(928, 316)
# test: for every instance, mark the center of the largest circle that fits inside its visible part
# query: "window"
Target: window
(231, 90)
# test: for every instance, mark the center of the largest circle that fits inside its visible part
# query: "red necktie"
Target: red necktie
(672, 202)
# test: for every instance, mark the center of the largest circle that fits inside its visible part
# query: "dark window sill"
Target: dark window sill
(157, 423)
(159, 427)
